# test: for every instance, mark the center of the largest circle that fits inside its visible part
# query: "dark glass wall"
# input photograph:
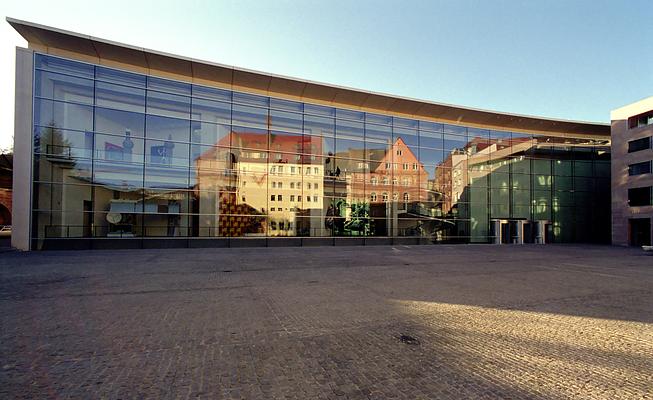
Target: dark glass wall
(123, 155)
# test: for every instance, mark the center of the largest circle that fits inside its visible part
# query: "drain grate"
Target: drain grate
(407, 339)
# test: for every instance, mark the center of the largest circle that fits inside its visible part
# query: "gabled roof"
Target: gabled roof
(105, 52)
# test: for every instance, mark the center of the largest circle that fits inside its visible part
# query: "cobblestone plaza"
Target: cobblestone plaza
(402, 322)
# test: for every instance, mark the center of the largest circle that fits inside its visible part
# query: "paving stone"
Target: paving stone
(488, 322)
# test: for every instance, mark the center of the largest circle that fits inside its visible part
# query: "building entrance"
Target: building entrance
(640, 231)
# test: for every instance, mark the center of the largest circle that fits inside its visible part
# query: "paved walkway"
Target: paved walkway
(436, 322)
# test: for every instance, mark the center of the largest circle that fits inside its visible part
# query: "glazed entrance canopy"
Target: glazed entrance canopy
(104, 52)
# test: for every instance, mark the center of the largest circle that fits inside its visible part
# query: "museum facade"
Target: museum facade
(122, 147)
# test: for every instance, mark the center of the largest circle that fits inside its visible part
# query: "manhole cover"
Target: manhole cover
(408, 340)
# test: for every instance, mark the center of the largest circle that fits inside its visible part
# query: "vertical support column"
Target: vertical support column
(520, 231)
(497, 231)
(23, 150)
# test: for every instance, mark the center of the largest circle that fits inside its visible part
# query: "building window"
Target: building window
(315, 199)
(315, 186)
(405, 166)
(639, 168)
(399, 152)
(308, 199)
(395, 196)
(394, 181)
(372, 196)
(279, 197)
(292, 170)
(385, 180)
(639, 144)
(308, 185)
(414, 166)
(280, 169)
(292, 185)
(273, 225)
(387, 165)
(640, 196)
(384, 197)
(406, 197)
(272, 197)
(640, 120)
(315, 171)
(299, 199)
(292, 197)
(374, 181)
(406, 181)
(280, 185)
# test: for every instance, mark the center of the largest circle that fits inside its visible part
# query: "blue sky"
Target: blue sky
(572, 59)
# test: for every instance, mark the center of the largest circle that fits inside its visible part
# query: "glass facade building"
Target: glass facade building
(125, 147)
(124, 155)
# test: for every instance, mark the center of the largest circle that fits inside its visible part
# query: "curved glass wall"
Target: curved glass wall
(123, 155)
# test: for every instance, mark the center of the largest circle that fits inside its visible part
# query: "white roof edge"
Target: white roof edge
(629, 110)
(305, 81)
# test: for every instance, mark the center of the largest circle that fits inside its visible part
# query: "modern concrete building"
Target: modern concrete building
(119, 146)
(632, 177)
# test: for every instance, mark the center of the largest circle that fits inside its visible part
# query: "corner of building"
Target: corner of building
(631, 124)
(22, 173)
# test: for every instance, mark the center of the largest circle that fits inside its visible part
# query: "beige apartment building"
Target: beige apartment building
(632, 177)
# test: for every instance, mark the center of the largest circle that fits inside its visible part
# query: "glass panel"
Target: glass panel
(249, 138)
(120, 97)
(164, 128)
(455, 144)
(250, 116)
(61, 65)
(286, 105)
(165, 176)
(431, 140)
(286, 121)
(118, 148)
(119, 122)
(319, 110)
(63, 87)
(211, 93)
(350, 139)
(63, 143)
(350, 115)
(319, 126)
(378, 119)
(165, 153)
(246, 98)
(405, 123)
(119, 174)
(168, 86)
(208, 133)
(378, 143)
(210, 158)
(58, 115)
(430, 126)
(211, 111)
(171, 105)
(432, 157)
(120, 77)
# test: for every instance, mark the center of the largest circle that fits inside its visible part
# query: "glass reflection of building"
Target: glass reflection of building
(127, 156)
